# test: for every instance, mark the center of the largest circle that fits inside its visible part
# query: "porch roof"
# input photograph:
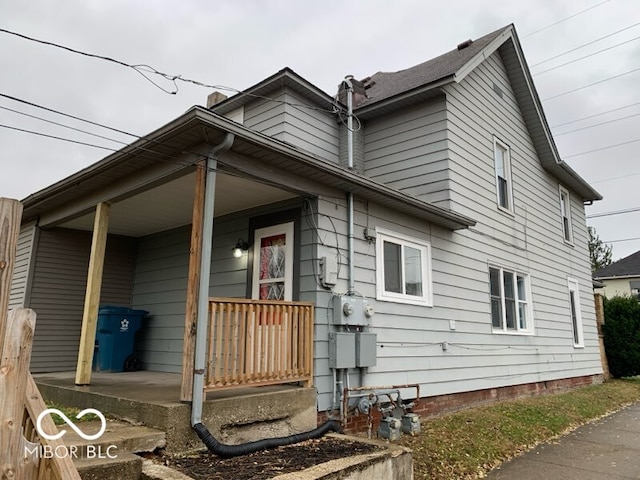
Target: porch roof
(177, 146)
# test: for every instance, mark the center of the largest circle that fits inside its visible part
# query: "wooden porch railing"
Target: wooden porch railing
(20, 401)
(258, 342)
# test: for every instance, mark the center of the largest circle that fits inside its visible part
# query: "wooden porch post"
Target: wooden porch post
(191, 315)
(92, 295)
(10, 215)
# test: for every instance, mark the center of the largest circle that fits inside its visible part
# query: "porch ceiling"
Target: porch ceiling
(170, 205)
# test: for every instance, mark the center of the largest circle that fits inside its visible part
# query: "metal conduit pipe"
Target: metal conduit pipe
(210, 442)
(350, 248)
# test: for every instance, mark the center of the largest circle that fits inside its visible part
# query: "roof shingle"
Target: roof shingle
(388, 84)
(626, 267)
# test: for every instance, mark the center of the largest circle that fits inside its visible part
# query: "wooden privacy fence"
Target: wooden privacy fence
(22, 452)
(258, 342)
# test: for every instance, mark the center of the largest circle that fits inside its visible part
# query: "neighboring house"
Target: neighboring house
(621, 278)
(469, 237)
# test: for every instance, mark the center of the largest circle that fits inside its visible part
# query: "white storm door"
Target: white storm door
(273, 263)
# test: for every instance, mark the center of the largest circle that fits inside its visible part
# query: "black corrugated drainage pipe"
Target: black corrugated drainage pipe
(227, 451)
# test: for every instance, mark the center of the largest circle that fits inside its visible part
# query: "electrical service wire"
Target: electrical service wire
(595, 125)
(564, 19)
(583, 45)
(144, 69)
(616, 212)
(585, 56)
(595, 115)
(602, 148)
(591, 84)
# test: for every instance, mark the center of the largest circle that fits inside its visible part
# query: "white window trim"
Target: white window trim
(284, 228)
(574, 287)
(564, 191)
(427, 283)
(507, 167)
(530, 330)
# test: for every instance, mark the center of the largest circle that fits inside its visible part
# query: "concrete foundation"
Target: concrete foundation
(232, 416)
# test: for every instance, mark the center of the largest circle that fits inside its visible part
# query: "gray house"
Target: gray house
(433, 237)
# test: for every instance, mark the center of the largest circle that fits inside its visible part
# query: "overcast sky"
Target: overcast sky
(236, 44)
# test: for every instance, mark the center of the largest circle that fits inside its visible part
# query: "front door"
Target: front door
(273, 262)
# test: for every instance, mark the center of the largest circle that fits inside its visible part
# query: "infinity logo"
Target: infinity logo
(71, 424)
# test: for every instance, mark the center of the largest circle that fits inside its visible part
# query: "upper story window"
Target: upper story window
(576, 316)
(504, 191)
(510, 301)
(403, 269)
(565, 215)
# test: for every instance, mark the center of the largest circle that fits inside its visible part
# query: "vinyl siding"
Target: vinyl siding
(457, 134)
(161, 275)
(410, 337)
(24, 253)
(407, 150)
(618, 287)
(160, 287)
(58, 290)
(311, 130)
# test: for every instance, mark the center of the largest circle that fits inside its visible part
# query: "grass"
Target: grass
(467, 444)
(70, 412)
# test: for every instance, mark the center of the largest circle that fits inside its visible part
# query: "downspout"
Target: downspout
(210, 442)
(205, 271)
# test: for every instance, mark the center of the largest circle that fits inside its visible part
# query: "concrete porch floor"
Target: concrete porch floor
(159, 388)
(153, 399)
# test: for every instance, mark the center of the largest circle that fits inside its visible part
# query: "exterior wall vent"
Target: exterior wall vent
(498, 90)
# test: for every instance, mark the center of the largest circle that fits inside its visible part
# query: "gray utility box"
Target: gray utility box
(342, 350)
(351, 310)
(366, 349)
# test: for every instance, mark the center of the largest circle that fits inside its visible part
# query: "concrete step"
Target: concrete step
(125, 466)
(111, 457)
(118, 436)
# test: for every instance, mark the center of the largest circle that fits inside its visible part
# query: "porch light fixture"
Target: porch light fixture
(240, 248)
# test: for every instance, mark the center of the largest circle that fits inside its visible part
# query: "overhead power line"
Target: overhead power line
(90, 122)
(594, 115)
(622, 240)
(565, 19)
(616, 212)
(603, 148)
(616, 178)
(583, 45)
(144, 70)
(591, 84)
(586, 56)
(57, 138)
(596, 125)
(86, 132)
(168, 158)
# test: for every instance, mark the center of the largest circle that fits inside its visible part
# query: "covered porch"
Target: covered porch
(141, 226)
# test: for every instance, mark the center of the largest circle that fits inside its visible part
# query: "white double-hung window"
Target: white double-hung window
(565, 215)
(510, 293)
(576, 315)
(403, 269)
(502, 159)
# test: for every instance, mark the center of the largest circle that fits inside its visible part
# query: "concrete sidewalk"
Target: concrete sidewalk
(606, 449)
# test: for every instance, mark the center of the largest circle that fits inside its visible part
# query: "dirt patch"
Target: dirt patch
(268, 463)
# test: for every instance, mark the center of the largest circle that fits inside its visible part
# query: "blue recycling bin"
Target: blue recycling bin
(115, 337)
